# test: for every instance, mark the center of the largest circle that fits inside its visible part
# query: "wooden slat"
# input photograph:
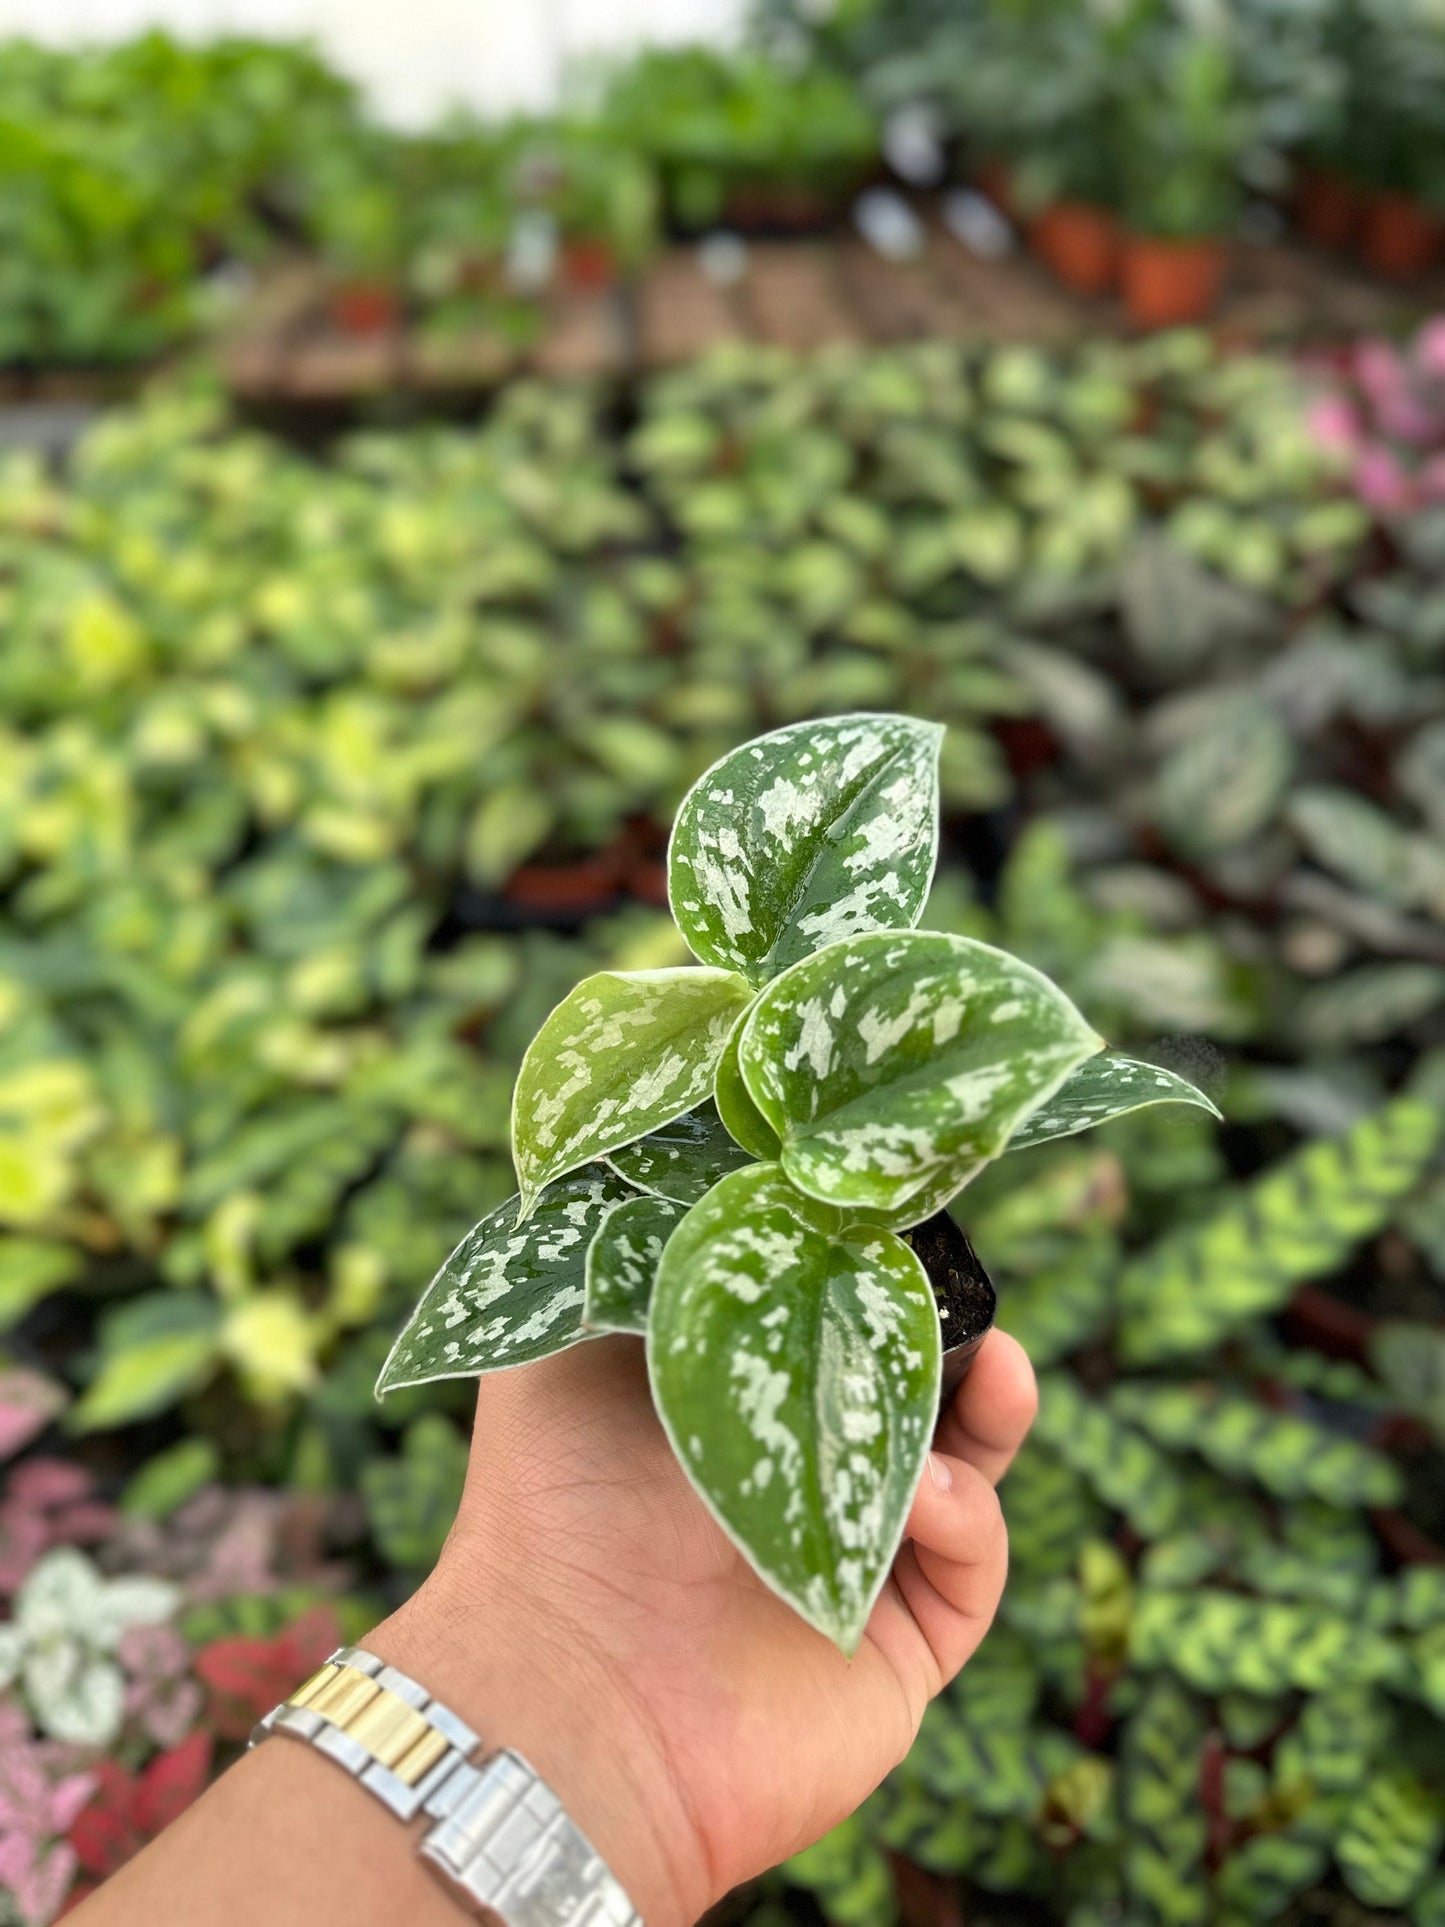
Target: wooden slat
(329, 366)
(1013, 299)
(255, 350)
(681, 313)
(457, 363)
(796, 298)
(900, 300)
(583, 334)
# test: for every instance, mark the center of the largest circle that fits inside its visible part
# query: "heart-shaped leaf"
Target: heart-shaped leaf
(805, 836)
(626, 1052)
(623, 1259)
(743, 1119)
(795, 1365)
(509, 1293)
(1104, 1087)
(897, 1064)
(684, 1160)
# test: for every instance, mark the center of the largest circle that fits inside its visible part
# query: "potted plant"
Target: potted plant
(1035, 89)
(1184, 123)
(603, 195)
(1375, 171)
(742, 1161)
(358, 221)
(1398, 127)
(738, 137)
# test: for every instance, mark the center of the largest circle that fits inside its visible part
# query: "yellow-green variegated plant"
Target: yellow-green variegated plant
(719, 1158)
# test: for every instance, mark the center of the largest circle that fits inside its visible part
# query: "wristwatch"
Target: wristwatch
(500, 1837)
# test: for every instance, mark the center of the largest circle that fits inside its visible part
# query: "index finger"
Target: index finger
(992, 1410)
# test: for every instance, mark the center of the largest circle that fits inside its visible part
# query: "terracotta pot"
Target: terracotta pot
(1328, 207)
(365, 307)
(1167, 283)
(1080, 244)
(1400, 237)
(587, 264)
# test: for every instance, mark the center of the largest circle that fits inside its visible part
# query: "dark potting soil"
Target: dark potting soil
(962, 1290)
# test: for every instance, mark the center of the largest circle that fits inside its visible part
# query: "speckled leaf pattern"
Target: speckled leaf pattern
(895, 1065)
(742, 1118)
(622, 1262)
(795, 1365)
(509, 1293)
(684, 1160)
(626, 1052)
(1101, 1088)
(810, 834)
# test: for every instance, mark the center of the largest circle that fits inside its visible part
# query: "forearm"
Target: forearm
(286, 1836)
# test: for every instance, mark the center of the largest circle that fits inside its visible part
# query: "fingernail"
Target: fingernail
(940, 1471)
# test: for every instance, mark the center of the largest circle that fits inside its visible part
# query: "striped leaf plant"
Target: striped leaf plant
(723, 1159)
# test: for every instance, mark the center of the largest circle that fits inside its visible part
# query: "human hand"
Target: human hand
(590, 1612)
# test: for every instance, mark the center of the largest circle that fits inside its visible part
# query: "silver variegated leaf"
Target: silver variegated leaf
(795, 1365)
(1355, 839)
(625, 1052)
(1226, 777)
(509, 1293)
(810, 834)
(75, 1696)
(684, 1160)
(1105, 1087)
(622, 1262)
(894, 1066)
(742, 1118)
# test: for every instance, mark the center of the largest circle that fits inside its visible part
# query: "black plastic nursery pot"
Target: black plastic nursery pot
(962, 1290)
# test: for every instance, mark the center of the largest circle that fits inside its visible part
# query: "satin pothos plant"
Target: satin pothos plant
(721, 1158)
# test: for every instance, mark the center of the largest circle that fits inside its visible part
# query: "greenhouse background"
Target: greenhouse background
(406, 490)
(415, 64)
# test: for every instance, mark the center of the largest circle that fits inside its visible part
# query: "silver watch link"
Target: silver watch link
(500, 1838)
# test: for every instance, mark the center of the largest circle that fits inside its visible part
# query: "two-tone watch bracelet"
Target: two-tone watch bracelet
(500, 1834)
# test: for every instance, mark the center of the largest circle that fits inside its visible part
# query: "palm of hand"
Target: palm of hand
(747, 1733)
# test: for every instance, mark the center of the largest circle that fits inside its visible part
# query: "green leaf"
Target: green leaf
(682, 1161)
(795, 1364)
(30, 1269)
(1287, 1455)
(813, 833)
(1226, 779)
(1296, 1222)
(744, 1121)
(622, 1262)
(510, 1292)
(1410, 1358)
(894, 1065)
(153, 1351)
(1390, 1840)
(1217, 1641)
(625, 1053)
(171, 1477)
(1166, 1831)
(1105, 1087)
(411, 1500)
(1356, 840)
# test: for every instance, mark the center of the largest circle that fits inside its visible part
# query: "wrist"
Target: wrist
(526, 1680)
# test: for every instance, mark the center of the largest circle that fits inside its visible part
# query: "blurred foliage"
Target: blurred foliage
(128, 172)
(295, 755)
(139, 182)
(1164, 111)
(136, 180)
(733, 136)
